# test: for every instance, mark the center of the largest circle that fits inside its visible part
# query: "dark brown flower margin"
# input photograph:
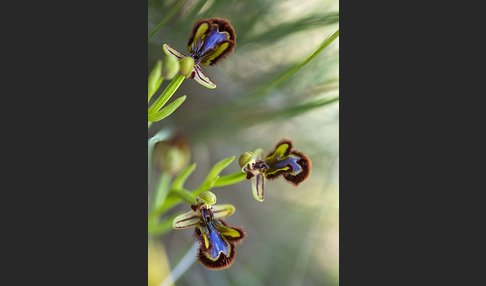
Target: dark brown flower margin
(223, 261)
(304, 162)
(222, 25)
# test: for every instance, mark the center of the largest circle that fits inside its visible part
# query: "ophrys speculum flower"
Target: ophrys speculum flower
(210, 41)
(294, 166)
(216, 238)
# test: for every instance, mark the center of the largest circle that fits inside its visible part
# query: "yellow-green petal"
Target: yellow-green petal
(222, 211)
(186, 220)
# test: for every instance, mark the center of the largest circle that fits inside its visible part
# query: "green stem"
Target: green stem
(162, 227)
(159, 197)
(167, 94)
(185, 195)
(163, 134)
(162, 190)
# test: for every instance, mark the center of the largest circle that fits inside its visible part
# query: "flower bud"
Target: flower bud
(170, 67)
(173, 155)
(186, 66)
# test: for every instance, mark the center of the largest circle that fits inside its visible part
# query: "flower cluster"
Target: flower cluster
(210, 41)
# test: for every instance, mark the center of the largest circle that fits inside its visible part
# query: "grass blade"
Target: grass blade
(169, 15)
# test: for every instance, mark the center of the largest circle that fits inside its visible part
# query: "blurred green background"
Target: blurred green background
(293, 236)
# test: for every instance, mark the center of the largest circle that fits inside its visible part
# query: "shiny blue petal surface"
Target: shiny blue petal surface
(218, 242)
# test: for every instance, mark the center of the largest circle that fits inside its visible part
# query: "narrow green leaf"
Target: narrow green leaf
(178, 183)
(284, 114)
(230, 179)
(178, 5)
(285, 29)
(290, 73)
(206, 186)
(218, 167)
(166, 95)
(166, 111)
(213, 175)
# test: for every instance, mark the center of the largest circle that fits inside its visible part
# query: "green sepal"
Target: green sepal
(206, 197)
(259, 155)
(186, 220)
(222, 211)
(245, 159)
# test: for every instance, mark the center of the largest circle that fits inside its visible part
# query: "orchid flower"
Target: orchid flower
(294, 166)
(216, 238)
(210, 41)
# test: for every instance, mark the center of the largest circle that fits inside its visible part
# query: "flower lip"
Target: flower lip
(211, 40)
(293, 165)
(217, 242)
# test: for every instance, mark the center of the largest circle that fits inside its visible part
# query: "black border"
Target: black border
(77, 148)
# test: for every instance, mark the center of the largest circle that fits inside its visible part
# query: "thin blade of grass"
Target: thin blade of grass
(285, 29)
(290, 73)
(248, 102)
(169, 15)
(297, 110)
(197, 8)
